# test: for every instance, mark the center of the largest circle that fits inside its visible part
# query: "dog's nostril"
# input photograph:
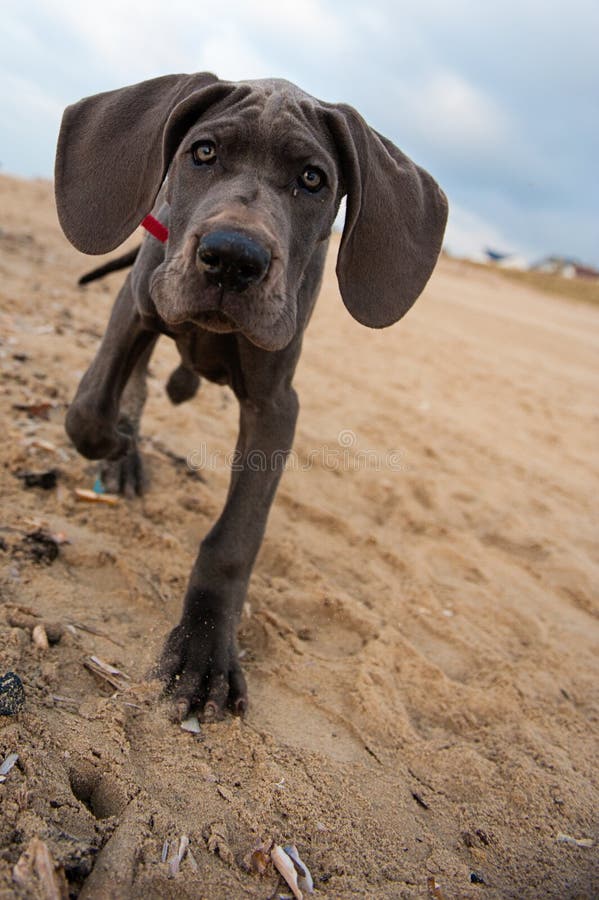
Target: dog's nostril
(232, 259)
(249, 271)
(211, 261)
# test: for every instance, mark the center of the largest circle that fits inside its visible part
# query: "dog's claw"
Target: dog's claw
(202, 671)
(181, 710)
(211, 712)
(240, 707)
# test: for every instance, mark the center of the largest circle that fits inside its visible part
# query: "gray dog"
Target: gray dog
(240, 227)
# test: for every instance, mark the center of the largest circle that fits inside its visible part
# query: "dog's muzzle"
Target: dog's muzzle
(232, 260)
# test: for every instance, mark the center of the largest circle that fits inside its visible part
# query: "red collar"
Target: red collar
(156, 228)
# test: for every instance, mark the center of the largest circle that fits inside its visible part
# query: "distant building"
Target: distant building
(586, 272)
(566, 267)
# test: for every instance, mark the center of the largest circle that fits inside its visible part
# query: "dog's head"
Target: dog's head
(256, 172)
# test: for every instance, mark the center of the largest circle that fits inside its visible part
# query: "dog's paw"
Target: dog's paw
(201, 670)
(124, 476)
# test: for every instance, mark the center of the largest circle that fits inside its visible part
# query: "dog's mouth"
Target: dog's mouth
(266, 317)
(215, 320)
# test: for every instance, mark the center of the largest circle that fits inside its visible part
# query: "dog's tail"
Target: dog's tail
(113, 265)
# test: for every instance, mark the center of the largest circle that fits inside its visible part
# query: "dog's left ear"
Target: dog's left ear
(394, 223)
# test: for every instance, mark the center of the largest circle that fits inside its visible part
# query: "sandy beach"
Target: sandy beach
(421, 632)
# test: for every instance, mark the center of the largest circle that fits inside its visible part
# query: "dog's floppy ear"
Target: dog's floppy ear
(114, 150)
(394, 223)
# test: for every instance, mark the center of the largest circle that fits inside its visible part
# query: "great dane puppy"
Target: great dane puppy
(246, 178)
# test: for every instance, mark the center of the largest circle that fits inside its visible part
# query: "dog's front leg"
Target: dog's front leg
(200, 661)
(92, 418)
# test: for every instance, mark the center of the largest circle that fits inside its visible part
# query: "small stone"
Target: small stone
(45, 480)
(12, 694)
(191, 724)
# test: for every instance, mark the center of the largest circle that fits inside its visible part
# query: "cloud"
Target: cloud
(468, 234)
(25, 100)
(454, 113)
(27, 108)
(229, 54)
(142, 37)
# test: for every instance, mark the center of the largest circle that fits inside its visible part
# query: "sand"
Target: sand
(421, 629)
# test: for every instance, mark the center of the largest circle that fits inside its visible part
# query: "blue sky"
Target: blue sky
(500, 101)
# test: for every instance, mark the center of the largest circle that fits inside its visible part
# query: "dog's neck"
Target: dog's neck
(155, 228)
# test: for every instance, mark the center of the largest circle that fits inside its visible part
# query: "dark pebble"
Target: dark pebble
(12, 694)
(45, 480)
(40, 546)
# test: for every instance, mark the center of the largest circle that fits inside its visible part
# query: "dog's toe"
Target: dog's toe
(202, 672)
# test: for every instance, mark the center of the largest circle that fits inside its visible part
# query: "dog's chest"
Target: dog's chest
(212, 356)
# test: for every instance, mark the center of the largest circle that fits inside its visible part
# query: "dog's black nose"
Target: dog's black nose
(232, 260)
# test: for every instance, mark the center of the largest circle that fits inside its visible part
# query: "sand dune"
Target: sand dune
(421, 631)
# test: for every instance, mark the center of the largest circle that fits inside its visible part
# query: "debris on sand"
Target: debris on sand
(217, 841)
(98, 487)
(284, 865)
(90, 629)
(7, 765)
(38, 875)
(115, 678)
(434, 889)
(286, 861)
(12, 694)
(90, 496)
(177, 858)
(37, 443)
(40, 637)
(26, 618)
(45, 480)
(39, 410)
(191, 724)
(574, 842)
(259, 859)
(40, 546)
(184, 850)
(304, 878)
(419, 800)
(68, 701)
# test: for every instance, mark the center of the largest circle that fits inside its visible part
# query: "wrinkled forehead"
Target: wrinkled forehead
(272, 113)
(278, 87)
(276, 99)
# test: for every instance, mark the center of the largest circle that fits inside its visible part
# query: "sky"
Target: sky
(499, 101)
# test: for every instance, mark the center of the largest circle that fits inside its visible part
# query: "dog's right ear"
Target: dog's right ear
(394, 224)
(114, 150)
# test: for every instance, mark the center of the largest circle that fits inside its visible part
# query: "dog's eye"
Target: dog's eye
(312, 179)
(203, 153)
